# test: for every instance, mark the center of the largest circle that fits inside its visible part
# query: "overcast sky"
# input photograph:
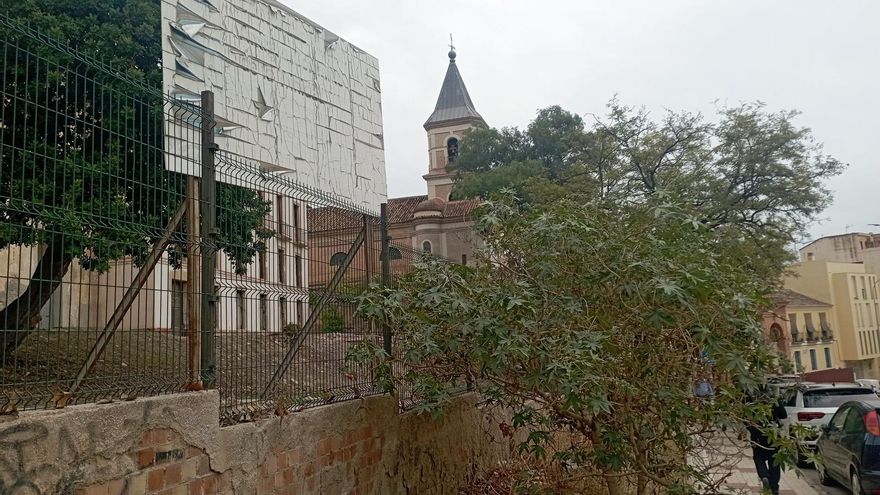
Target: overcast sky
(819, 57)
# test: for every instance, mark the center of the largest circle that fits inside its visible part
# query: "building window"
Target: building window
(282, 309)
(296, 234)
(261, 261)
(452, 148)
(811, 256)
(337, 259)
(792, 323)
(282, 267)
(426, 247)
(855, 288)
(808, 323)
(824, 327)
(798, 365)
(862, 285)
(464, 259)
(178, 305)
(241, 309)
(264, 312)
(827, 357)
(300, 313)
(279, 208)
(814, 363)
(217, 307)
(298, 270)
(393, 254)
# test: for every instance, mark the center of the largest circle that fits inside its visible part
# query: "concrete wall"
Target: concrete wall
(175, 445)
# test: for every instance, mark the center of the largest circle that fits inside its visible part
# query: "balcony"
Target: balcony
(827, 333)
(812, 334)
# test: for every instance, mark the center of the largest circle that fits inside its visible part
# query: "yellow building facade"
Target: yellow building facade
(802, 329)
(853, 315)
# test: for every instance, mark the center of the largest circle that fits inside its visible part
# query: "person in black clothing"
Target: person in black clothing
(763, 452)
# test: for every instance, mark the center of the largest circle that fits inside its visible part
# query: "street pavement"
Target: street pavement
(812, 478)
(733, 471)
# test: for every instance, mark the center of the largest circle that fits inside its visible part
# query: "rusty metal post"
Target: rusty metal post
(386, 268)
(368, 249)
(193, 285)
(208, 242)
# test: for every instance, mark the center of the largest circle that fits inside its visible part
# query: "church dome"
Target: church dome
(429, 208)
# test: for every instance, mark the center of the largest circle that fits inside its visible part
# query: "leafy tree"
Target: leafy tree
(509, 158)
(751, 169)
(591, 322)
(83, 151)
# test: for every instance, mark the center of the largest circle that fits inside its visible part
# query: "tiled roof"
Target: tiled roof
(789, 297)
(400, 210)
(461, 208)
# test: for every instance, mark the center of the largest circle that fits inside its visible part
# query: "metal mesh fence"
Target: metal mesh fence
(137, 259)
(87, 207)
(286, 321)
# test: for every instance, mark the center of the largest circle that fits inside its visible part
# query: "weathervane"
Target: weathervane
(451, 49)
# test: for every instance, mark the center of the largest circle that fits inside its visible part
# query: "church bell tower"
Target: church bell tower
(453, 114)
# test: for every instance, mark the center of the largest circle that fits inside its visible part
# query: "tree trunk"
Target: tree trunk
(21, 316)
(612, 482)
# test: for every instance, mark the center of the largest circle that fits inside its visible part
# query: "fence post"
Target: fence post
(368, 249)
(386, 268)
(193, 284)
(208, 241)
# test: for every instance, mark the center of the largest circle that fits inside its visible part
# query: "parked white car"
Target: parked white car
(813, 405)
(872, 384)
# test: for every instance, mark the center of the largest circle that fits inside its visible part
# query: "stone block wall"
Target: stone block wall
(174, 445)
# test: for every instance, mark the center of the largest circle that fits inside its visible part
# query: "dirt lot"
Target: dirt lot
(146, 362)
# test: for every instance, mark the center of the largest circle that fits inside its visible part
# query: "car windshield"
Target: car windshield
(834, 397)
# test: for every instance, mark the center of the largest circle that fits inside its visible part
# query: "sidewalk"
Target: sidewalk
(731, 463)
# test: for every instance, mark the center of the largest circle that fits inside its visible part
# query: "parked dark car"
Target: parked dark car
(850, 448)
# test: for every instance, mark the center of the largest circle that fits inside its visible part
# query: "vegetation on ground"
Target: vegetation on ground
(592, 321)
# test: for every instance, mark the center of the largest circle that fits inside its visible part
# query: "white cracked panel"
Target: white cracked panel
(288, 93)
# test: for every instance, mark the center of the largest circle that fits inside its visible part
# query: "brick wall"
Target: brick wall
(174, 445)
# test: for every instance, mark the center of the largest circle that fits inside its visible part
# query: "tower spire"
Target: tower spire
(454, 104)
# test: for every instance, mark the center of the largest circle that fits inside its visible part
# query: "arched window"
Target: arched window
(452, 148)
(393, 254)
(777, 337)
(426, 246)
(337, 259)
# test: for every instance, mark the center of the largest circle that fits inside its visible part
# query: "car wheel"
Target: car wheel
(856, 483)
(823, 475)
(799, 459)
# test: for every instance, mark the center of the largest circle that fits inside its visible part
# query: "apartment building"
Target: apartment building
(854, 313)
(853, 247)
(802, 329)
